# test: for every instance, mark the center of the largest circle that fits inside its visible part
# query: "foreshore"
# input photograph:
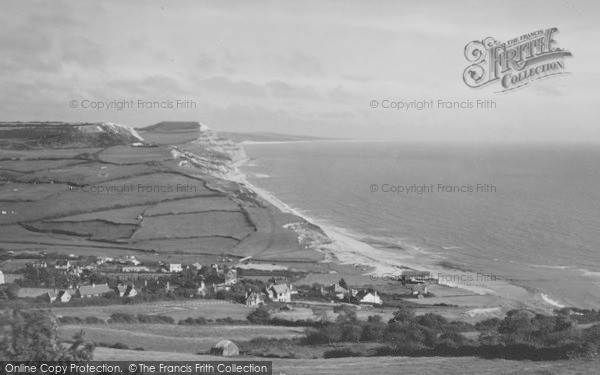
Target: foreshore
(377, 263)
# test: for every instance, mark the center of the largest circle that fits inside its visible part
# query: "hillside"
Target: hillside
(100, 189)
(51, 135)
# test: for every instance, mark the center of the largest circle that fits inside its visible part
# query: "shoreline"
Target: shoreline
(350, 249)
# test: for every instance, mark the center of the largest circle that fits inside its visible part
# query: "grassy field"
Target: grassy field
(36, 165)
(206, 224)
(380, 365)
(209, 309)
(174, 338)
(134, 155)
(193, 205)
(127, 215)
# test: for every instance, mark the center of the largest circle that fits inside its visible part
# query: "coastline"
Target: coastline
(350, 249)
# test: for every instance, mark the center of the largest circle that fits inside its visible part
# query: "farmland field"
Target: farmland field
(193, 205)
(174, 338)
(127, 215)
(206, 224)
(209, 309)
(380, 365)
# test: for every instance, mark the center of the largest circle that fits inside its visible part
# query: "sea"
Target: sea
(528, 214)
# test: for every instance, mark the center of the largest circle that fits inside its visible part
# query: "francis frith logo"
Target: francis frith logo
(514, 63)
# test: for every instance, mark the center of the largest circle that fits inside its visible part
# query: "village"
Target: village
(60, 279)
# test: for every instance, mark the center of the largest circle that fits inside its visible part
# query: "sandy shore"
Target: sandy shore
(386, 263)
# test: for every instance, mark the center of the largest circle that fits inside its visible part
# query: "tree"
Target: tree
(259, 316)
(32, 336)
(403, 315)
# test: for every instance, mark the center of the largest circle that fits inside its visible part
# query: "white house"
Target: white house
(280, 292)
(62, 265)
(62, 296)
(231, 277)
(371, 298)
(255, 299)
(175, 267)
(87, 291)
(1, 277)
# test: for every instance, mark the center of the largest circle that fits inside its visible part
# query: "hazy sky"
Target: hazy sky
(296, 67)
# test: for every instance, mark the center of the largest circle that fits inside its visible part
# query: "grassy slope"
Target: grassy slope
(36, 188)
(380, 365)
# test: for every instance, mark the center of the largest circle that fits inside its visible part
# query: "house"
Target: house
(125, 291)
(366, 297)
(415, 277)
(51, 296)
(131, 291)
(175, 267)
(337, 291)
(62, 265)
(280, 292)
(202, 290)
(418, 291)
(221, 287)
(40, 264)
(1, 277)
(87, 291)
(255, 299)
(120, 290)
(231, 277)
(62, 296)
(135, 269)
(197, 266)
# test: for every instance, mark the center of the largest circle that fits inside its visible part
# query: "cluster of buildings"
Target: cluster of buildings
(344, 293)
(273, 292)
(88, 291)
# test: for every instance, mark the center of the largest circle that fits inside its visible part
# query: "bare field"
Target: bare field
(207, 224)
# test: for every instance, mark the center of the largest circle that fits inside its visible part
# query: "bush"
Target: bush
(120, 345)
(155, 319)
(122, 318)
(340, 353)
(259, 316)
(193, 322)
(93, 320)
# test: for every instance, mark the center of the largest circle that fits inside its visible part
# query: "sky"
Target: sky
(307, 68)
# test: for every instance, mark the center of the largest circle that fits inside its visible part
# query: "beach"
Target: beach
(380, 263)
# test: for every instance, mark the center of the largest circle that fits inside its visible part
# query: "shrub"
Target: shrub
(259, 316)
(122, 318)
(93, 320)
(340, 353)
